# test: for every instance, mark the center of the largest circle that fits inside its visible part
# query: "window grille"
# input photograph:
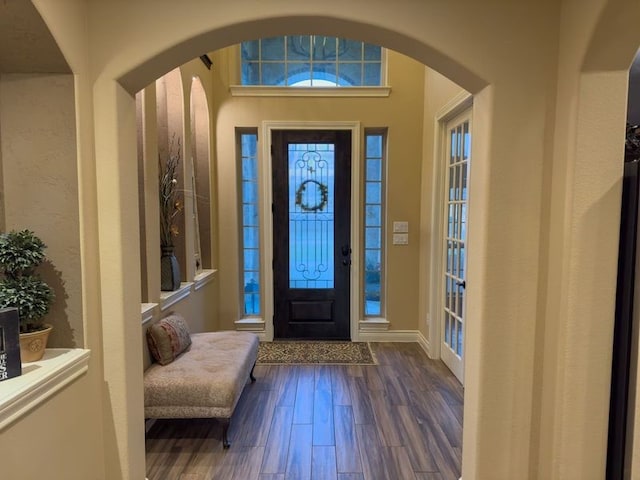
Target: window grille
(374, 222)
(250, 222)
(311, 60)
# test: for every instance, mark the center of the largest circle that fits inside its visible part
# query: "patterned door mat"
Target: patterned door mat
(315, 352)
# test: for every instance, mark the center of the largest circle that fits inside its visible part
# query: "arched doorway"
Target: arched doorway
(498, 431)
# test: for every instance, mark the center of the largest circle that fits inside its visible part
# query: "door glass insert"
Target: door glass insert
(311, 215)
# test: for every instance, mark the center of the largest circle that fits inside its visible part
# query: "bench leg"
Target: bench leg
(253, 379)
(225, 431)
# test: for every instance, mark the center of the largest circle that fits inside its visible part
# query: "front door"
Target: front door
(454, 242)
(311, 233)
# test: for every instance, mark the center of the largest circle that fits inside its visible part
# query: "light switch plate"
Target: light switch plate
(400, 227)
(401, 239)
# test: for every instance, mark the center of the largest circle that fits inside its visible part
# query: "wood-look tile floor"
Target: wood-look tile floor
(398, 420)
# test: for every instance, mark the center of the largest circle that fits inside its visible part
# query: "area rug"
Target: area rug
(315, 352)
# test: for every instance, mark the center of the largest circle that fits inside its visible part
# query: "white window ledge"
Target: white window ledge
(374, 325)
(167, 299)
(39, 381)
(147, 311)
(268, 91)
(204, 277)
(250, 324)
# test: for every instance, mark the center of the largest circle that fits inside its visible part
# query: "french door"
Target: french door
(311, 233)
(454, 242)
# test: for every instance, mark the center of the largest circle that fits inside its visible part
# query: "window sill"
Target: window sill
(202, 278)
(39, 381)
(250, 324)
(267, 91)
(147, 311)
(374, 324)
(167, 299)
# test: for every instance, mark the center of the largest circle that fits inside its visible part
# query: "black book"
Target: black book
(10, 364)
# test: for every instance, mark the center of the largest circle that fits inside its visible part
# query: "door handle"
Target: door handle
(462, 284)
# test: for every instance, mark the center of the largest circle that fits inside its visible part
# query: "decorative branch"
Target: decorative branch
(170, 204)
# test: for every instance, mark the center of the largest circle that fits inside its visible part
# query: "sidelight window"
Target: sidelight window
(374, 194)
(249, 221)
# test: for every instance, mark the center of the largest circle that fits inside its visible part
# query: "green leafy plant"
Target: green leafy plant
(20, 253)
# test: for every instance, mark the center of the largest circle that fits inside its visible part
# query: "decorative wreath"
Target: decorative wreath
(324, 196)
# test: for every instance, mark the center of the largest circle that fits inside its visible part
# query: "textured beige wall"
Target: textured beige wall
(148, 111)
(401, 113)
(76, 410)
(58, 440)
(203, 166)
(583, 174)
(41, 189)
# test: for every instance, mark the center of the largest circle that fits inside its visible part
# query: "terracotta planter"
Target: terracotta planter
(32, 345)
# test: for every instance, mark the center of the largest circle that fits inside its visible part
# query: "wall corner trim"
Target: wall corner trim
(423, 342)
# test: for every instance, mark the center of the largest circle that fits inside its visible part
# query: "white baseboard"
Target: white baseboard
(401, 336)
(396, 336)
(424, 343)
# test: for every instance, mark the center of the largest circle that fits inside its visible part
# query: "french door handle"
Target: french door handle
(462, 284)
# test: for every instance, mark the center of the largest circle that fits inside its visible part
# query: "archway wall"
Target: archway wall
(597, 47)
(510, 46)
(517, 59)
(70, 426)
(423, 30)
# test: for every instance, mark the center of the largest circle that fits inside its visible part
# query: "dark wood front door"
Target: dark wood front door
(311, 233)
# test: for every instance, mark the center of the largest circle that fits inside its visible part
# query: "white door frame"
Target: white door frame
(265, 169)
(457, 105)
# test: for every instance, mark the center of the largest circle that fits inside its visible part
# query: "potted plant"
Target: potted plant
(20, 253)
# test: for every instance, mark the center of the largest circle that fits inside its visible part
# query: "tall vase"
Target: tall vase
(169, 270)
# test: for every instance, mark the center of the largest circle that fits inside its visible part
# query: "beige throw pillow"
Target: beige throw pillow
(168, 338)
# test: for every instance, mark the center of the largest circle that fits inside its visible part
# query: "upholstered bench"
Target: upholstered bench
(206, 376)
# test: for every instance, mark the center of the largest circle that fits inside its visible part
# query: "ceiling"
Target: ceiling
(26, 45)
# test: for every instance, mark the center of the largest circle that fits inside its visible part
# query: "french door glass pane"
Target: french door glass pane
(446, 328)
(467, 142)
